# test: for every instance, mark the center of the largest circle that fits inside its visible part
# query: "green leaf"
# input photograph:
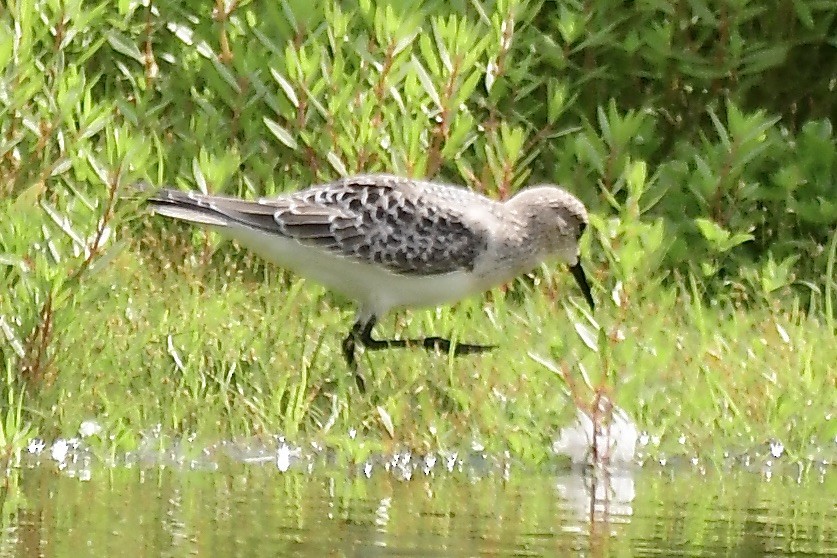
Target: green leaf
(124, 45)
(197, 172)
(427, 82)
(337, 164)
(803, 13)
(104, 259)
(711, 231)
(13, 260)
(281, 133)
(286, 87)
(588, 336)
(720, 238)
(720, 129)
(637, 174)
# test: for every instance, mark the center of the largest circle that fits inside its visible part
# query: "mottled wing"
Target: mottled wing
(379, 220)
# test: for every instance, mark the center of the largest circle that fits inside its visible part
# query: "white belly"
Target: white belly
(374, 288)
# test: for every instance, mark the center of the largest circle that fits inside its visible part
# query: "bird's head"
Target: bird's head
(556, 221)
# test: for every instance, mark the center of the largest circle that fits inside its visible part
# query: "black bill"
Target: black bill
(581, 279)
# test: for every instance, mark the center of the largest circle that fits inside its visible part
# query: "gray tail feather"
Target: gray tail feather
(184, 206)
(219, 211)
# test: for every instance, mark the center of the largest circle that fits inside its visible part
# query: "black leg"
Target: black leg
(361, 334)
(349, 346)
(364, 337)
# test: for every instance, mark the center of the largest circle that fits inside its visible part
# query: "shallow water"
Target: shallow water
(257, 510)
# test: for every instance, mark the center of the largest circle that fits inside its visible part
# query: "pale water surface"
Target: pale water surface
(257, 510)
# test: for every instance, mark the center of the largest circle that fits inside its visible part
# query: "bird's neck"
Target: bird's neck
(518, 251)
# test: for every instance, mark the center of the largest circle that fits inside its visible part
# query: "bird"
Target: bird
(387, 241)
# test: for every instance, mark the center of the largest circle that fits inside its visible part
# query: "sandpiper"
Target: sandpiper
(389, 242)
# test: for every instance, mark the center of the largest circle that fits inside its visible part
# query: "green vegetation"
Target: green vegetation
(697, 133)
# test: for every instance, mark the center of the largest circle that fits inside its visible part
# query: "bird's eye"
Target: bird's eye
(581, 227)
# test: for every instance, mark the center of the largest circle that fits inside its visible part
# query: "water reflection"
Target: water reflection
(598, 495)
(254, 509)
